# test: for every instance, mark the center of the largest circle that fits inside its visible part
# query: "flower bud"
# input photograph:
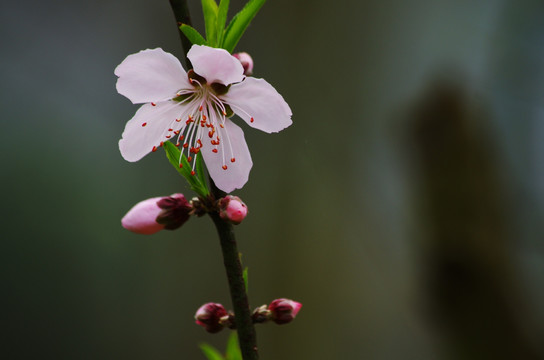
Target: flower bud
(152, 215)
(233, 209)
(211, 317)
(247, 62)
(283, 311)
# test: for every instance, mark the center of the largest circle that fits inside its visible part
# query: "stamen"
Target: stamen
(224, 167)
(154, 149)
(153, 104)
(214, 150)
(144, 124)
(232, 160)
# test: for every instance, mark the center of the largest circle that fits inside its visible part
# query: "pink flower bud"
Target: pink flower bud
(152, 215)
(247, 62)
(283, 311)
(233, 209)
(211, 317)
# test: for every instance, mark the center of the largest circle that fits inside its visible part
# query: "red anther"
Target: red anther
(185, 146)
(222, 127)
(210, 134)
(251, 120)
(180, 165)
(153, 104)
(188, 122)
(214, 150)
(199, 142)
(197, 150)
(178, 120)
(204, 117)
(176, 132)
(144, 124)
(189, 159)
(193, 173)
(154, 149)
(224, 113)
(232, 160)
(170, 129)
(181, 137)
(224, 167)
(200, 108)
(178, 144)
(161, 144)
(168, 136)
(192, 151)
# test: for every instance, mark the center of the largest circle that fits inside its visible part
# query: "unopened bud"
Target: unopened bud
(247, 62)
(152, 215)
(212, 317)
(233, 209)
(283, 311)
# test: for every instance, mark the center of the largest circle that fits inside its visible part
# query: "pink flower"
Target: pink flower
(194, 108)
(152, 215)
(210, 316)
(283, 311)
(233, 209)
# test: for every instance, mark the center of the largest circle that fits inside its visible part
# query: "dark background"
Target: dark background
(404, 206)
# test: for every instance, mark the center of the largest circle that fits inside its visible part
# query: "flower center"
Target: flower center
(202, 119)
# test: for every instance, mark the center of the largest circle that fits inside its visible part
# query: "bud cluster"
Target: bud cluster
(170, 212)
(213, 317)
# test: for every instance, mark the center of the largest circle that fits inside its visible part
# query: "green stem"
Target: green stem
(182, 15)
(247, 337)
(242, 316)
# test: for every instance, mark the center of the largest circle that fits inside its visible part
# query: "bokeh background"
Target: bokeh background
(404, 208)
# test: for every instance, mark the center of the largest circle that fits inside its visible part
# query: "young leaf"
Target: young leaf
(193, 35)
(233, 349)
(173, 154)
(200, 169)
(222, 20)
(209, 7)
(245, 276)
(239, 24)
(210, 352)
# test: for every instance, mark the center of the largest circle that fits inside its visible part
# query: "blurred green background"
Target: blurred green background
(404, 207)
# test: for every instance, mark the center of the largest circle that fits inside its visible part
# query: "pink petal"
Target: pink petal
(237, 172)
(215, 65)
(151, 76)
(148, 128)
(258, 100)
(141, 218)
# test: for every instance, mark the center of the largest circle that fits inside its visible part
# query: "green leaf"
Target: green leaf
(239, 24)
(233, 349)
(210, 352)
(209, 7)
(174, 155)
(245, 275)
(200, 170)
(193, 35)
(222, 20)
